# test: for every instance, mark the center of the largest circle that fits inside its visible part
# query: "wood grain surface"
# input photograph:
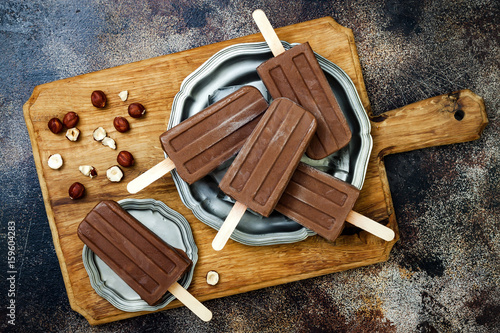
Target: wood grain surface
(154, 82)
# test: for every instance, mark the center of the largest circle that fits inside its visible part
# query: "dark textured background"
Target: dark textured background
(443, 275)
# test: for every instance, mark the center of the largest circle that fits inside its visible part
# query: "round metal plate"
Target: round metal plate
(225, 72)
(166, 223)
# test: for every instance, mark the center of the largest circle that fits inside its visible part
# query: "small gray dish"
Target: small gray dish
(225, 72)
(167, 224)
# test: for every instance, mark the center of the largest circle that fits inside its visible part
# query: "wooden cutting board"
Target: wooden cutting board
(154, 82)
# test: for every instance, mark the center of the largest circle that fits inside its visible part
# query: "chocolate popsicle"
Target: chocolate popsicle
(262, 169)
(297, 75)
(322, 203)
(202, 142)
(145, 262)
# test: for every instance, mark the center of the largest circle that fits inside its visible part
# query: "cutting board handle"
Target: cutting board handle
(451, 118)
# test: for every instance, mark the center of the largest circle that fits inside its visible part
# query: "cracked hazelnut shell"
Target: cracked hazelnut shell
(98, 99)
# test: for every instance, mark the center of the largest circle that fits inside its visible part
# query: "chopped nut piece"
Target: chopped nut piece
(114, 174)
(88, 170)
(123, 95)
(107, 141)
(72, 134)
(55, 161)
(212, 278)
(99, 134)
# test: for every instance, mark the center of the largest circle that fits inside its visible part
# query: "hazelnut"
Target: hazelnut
(72, 134)
(136, 110)
(70, 119)
(107, 141)
(212, 278)
(114, 174)
(123, 95)
(121, 124)
(88, 170)
(99, 134)
(125, 159)
(55, 125)
(98, 99)
(55, 161)
(76, 190)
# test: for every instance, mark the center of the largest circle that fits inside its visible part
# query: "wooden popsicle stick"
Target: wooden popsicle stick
(268, 32)
(228, 226)
(370, 225)
(150, 176)
(190, 301)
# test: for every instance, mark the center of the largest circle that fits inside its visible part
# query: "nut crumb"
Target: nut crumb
(55, 161)
(107, 141)
(88, 170)
(72, 134)
(212, 278)
(123, 95)
(99, 134)
(114, 174)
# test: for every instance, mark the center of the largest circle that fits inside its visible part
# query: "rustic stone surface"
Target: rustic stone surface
(442, 275)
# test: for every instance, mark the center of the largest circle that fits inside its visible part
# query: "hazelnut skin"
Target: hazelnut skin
(125, 159)
(70, 120)
(98, 99)
(55, 125)
(76, 191)
(121, 124)
(136, 110)
(93, 173)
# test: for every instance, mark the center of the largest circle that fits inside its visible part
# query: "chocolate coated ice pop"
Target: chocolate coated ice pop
(144, 261)
(202, 142)
(262, 169)
(297, 75)
(323, 203)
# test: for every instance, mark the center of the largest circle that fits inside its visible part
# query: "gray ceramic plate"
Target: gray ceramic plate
(223, 73)
(170, 226)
